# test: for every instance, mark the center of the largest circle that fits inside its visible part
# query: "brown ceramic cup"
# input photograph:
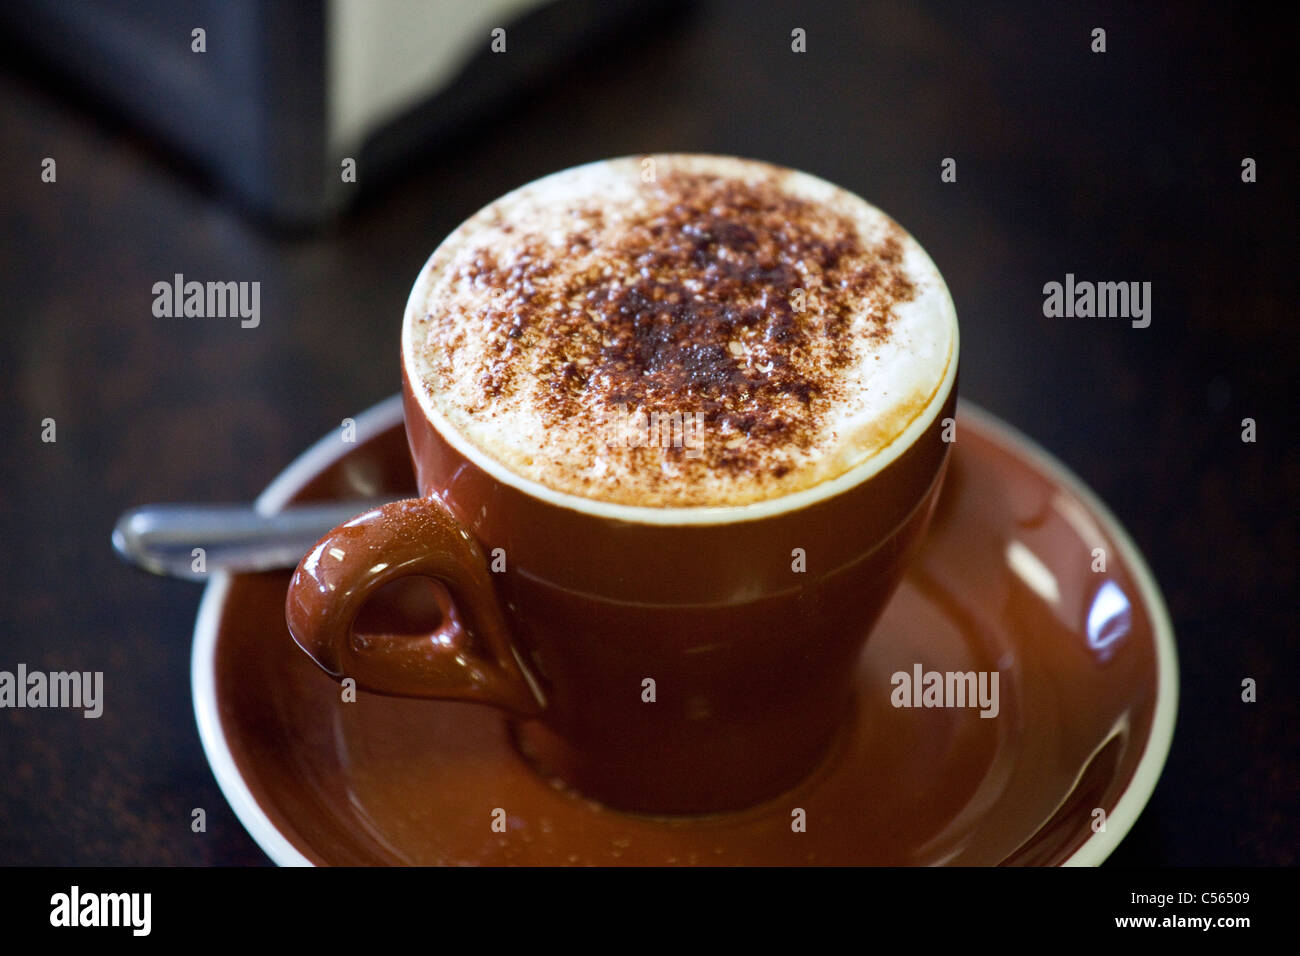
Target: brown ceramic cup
(662, 660)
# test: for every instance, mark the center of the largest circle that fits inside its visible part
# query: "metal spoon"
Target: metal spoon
(235, 538)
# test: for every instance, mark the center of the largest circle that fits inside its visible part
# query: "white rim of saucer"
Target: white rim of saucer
(203, 658)
(388, 413)
(1147, 773)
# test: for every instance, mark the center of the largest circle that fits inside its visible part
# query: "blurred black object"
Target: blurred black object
(280, 94)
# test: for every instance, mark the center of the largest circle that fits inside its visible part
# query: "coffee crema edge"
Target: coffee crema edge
(874, 442)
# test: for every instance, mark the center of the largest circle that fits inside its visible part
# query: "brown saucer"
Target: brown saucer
(1088, 695)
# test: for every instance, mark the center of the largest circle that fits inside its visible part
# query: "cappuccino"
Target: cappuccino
(680, 331)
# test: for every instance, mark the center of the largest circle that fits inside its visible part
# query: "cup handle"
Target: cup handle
(475, 661)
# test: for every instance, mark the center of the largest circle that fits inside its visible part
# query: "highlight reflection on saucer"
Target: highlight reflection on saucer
(1108, 618)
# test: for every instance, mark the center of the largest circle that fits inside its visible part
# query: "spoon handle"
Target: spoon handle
(164, 538)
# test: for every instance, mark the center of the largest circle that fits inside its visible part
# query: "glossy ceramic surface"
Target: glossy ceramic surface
(1005, 581)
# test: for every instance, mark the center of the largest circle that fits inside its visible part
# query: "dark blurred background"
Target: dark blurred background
(1122, 166)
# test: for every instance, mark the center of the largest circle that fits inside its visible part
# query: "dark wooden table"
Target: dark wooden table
(1124, 166)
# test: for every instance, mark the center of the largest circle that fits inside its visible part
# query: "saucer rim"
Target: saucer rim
(387, 413)
(203, 675)
(1146, 775)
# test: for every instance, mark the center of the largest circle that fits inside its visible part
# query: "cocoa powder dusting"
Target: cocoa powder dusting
(728, 299)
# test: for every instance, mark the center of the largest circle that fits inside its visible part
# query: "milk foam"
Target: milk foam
(499, 326)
